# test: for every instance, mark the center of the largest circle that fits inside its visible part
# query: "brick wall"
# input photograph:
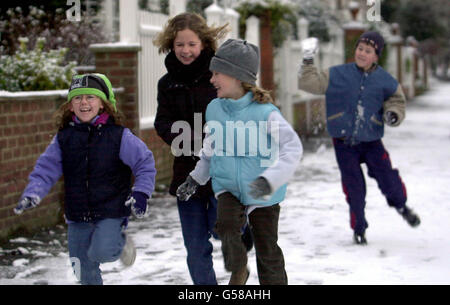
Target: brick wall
(26, 128)
(119, 64)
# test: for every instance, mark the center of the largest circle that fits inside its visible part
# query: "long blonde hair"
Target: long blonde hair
(63, 116)
(194, 22)
(260, 95)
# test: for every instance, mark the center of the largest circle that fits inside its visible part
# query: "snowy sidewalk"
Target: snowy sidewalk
(314, 231)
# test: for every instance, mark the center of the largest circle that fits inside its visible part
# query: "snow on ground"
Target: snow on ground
(314, 228)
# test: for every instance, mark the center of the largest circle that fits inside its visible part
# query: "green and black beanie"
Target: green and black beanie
(95, 84)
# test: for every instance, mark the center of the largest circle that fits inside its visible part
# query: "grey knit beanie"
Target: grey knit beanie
(237, 58)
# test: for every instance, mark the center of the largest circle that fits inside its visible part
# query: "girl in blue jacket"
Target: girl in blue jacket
(361, 97)
(97, 157)
(250, 152)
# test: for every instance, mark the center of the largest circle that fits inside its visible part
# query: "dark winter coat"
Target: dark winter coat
(96, 181)
(182, 92)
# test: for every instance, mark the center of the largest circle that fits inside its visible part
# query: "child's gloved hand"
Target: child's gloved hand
(187, 189)
(310, 46)
(391, 118)
(259, 188)
(138, 202)
(26, 203)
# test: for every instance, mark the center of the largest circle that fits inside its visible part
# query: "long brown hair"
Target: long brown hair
(63, 116)
(260, 95)
(208, 35)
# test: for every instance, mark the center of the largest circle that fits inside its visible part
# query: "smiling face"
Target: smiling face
(86, 107)
(365, 56)
(227, 86)
(187, 46)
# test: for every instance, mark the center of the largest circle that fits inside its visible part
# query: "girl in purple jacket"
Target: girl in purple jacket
(97, 157)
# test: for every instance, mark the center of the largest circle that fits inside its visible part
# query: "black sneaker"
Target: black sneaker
(411, 218)
(359, 239)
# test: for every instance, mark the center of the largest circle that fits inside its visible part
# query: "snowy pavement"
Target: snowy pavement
(314, 231)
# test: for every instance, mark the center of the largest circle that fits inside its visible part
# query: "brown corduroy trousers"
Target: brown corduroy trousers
(231, 217)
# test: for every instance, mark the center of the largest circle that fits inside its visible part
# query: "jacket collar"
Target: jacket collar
(372, 69)
(231, 105)
(98, 120)
(188, 73)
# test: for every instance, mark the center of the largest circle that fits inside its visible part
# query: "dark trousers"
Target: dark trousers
(374, 155)
(197, 217)
(231, 217)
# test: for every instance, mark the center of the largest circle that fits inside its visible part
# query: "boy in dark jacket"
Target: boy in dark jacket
(360, 98)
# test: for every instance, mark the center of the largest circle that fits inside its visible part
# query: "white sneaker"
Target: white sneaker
(128, 255)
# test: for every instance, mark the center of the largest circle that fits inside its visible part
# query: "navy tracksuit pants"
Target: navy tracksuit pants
(375, 156)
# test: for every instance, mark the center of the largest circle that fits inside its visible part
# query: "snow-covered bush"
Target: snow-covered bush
(36, 69)
(54, 26)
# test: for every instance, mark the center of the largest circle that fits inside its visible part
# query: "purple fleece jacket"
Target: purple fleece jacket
(133, 152)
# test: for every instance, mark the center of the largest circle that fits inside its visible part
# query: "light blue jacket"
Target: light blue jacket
(241, 156)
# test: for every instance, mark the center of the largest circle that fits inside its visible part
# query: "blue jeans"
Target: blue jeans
(198, 217)
(91, 244)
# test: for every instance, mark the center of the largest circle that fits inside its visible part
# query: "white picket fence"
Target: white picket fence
(151, 65)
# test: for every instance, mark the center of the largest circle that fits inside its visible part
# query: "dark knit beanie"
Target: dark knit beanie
(374, 39)
(237, 58)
